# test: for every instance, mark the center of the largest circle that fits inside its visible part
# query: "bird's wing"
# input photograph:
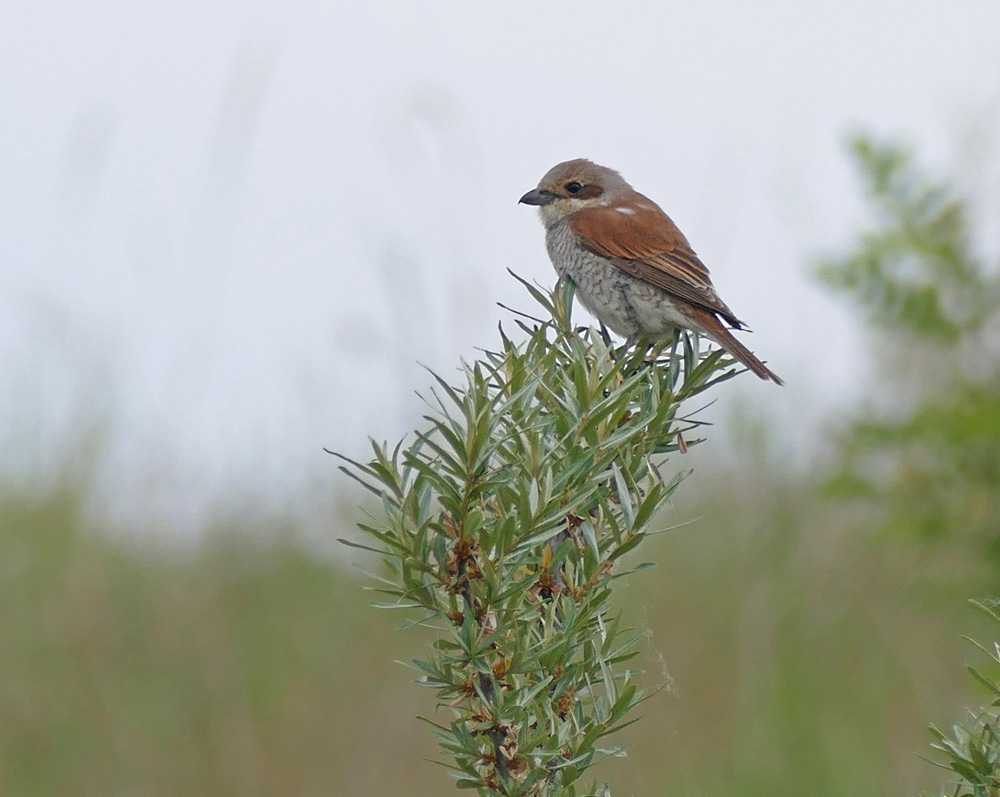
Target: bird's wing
(643, 241)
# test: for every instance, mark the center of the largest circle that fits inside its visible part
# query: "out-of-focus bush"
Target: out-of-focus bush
(926, 452)
(928, 463)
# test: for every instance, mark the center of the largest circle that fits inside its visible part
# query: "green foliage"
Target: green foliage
(931, 466)
(972, 750)
(505, 525)
(942, 480)
(915, 271)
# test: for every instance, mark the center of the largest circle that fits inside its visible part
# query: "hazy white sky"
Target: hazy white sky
(234, 229)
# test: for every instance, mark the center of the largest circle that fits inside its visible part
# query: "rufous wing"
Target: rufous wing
(643, 241)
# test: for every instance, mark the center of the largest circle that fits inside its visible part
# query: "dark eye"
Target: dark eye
(574, 187)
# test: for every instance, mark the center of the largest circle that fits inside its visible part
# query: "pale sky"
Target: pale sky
(232, 230)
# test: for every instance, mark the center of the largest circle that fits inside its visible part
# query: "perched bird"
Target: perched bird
(632, 267)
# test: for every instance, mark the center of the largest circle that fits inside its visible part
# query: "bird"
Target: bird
(633, 268)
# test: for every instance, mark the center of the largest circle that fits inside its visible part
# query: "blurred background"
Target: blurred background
(234, 234)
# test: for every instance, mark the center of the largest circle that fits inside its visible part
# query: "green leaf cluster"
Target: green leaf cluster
(972, 749)
(504, 525)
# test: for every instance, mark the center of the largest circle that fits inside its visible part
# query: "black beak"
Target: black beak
(538, 196)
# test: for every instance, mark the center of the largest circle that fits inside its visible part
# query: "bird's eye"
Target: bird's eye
(574, 187)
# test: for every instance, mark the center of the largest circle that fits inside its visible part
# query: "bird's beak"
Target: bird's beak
(538, 196)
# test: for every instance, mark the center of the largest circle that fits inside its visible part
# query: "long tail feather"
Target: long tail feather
(707, 322)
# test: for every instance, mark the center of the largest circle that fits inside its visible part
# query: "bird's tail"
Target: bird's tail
(708, 323)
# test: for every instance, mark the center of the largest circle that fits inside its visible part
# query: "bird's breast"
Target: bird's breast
(600, 286)
(626, 304)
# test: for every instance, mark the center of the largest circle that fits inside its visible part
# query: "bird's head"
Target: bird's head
(572, 186)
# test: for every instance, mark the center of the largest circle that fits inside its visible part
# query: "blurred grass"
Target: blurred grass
(807, 658)
(241, 668)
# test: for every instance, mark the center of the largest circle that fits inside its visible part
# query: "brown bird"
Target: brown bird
(632, 267)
